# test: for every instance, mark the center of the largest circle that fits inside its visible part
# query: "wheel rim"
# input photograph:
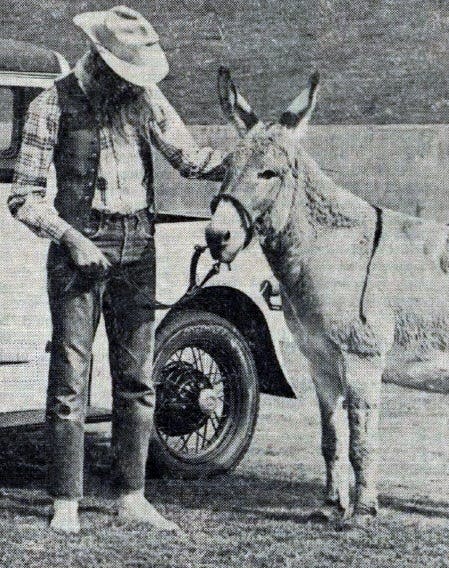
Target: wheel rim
(190, 430)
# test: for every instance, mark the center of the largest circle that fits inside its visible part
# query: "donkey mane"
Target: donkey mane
(323, 209)
(318, 204)
(329, 204)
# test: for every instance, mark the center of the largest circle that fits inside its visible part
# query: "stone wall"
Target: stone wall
(403, 167)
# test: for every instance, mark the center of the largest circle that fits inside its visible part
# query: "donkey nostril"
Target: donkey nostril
(226, 236)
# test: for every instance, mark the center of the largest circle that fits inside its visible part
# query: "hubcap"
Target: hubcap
(207, 401)
(178, 409)
(191, 403)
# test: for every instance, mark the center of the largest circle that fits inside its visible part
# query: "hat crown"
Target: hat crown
(127, 42)
(130, 27)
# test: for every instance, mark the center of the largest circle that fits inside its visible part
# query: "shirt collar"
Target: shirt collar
(80, 71)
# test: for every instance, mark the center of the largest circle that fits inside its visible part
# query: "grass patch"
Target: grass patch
(259, 515)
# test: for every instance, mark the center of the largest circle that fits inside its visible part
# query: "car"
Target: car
(217, 346)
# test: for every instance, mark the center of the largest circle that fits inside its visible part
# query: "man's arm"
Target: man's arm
(28, 199)
(171, 137)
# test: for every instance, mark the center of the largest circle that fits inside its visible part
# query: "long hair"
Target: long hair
(116, 102)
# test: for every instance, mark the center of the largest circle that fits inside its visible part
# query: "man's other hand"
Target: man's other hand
(86, 255)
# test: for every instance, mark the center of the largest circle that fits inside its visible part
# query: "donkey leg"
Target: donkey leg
(334, 436)
(363, 382)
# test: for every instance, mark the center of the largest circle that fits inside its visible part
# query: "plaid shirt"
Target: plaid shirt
(28, 201)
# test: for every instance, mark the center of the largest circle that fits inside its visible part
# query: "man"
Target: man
(96, 125)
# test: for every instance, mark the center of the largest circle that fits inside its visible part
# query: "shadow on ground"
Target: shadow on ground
(252, 494)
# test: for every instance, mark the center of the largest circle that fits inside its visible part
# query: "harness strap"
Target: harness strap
(376, 240)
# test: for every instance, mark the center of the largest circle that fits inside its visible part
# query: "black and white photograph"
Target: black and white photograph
(224, 284)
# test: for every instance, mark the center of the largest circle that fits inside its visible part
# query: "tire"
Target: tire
(198, 350)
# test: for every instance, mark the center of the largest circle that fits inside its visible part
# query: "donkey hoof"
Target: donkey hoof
(364, 521)
(324, 514)
(361, 518)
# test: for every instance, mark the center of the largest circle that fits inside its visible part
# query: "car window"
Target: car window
(6, 118)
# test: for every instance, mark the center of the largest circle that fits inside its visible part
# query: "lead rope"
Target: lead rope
(193, 287)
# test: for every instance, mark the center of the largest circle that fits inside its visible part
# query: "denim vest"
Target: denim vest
(77, 155)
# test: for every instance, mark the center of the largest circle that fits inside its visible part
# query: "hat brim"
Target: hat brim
(156, 65)
(142, 75)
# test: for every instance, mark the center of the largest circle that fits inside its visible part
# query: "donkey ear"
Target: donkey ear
(300, 111)
(234, 106)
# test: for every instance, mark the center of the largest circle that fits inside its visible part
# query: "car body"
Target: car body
(25, 328)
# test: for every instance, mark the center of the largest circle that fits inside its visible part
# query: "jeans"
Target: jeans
(124, 295)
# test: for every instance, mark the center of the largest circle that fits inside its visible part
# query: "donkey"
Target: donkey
(365, 290)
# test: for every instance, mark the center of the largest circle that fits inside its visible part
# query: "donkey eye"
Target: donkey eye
(268, 174)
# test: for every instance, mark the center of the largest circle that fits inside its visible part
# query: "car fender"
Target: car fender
(243, 280)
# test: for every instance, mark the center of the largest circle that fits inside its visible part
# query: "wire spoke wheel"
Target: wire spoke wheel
(206, 396)
(195, 401)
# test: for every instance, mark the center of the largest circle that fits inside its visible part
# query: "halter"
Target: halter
(247, 221)
(245, 217)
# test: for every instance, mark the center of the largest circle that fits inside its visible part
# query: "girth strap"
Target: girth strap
(376, 240)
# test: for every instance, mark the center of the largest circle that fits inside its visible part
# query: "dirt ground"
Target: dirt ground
(258, 516)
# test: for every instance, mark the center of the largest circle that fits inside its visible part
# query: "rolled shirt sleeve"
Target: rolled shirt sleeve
(170, 136)
(28, 200)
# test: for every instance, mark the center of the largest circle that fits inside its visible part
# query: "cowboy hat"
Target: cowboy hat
(127, 42)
